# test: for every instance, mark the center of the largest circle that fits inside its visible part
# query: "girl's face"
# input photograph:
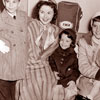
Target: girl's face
(96, 29)
(46, 14)
(65, 42)
(11, 5)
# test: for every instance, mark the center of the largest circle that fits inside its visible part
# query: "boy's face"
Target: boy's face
(11, 5)
(65, 42)
(96, 29)
(46, 14)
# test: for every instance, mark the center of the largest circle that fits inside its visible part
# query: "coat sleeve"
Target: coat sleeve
(76, 71)
(52, 63)
(85, 66)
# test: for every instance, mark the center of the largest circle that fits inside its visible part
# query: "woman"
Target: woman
(44, 37)
(88, 48)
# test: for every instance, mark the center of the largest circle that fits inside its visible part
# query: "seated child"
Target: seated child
(64, 62)
(96, 83)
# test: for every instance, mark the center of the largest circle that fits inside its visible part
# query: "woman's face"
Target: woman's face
(96, 29)
(46, 14)
(65, 42)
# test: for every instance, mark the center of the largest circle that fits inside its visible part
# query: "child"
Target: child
(89, 44)
(64, 62)
(14, 51)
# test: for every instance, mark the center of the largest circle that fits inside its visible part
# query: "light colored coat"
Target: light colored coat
(89, 71)
(14, 33)
(86, 53)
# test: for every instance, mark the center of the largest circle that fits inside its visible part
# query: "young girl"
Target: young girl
(64, 63)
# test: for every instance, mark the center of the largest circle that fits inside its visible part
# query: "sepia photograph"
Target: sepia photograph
(49, 49)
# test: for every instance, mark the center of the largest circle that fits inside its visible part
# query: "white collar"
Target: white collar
(12, 15)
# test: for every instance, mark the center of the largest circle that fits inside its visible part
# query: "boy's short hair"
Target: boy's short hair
(35, 13)
(95, 19)
(71, 34)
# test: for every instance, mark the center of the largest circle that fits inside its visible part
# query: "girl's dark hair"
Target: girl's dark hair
(95, 19)
(35, 13)
(71, 34)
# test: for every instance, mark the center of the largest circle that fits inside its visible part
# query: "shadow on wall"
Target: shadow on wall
(1, 6)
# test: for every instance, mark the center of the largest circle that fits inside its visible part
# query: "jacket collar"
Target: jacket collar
(9, 20)
(65, 52)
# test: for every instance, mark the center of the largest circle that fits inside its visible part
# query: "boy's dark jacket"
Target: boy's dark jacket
(65, 62)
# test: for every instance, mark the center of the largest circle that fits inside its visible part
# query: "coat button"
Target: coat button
(64, 55)
(61, 62)
(12, 32)
(69, 69)
(62, 59)
(24, 42)
(21, 30)
(14, 45)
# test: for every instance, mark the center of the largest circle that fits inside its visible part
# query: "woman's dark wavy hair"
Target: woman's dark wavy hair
(95, 19)
(35, 13)
(71, 34)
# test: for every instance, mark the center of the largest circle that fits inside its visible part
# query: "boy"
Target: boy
(14, 51)
(89, 62)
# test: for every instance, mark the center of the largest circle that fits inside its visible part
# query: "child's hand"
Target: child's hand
(3, 48)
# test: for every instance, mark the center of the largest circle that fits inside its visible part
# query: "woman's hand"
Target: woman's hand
(56, 75)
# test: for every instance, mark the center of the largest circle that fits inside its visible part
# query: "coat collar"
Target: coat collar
(65, 52)
(9, 20)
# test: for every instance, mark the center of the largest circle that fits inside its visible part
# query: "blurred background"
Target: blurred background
(89, 7)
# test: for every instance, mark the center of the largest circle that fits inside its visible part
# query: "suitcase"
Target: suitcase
(69, 15)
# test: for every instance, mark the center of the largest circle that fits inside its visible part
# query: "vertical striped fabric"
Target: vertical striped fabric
(38, 85)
